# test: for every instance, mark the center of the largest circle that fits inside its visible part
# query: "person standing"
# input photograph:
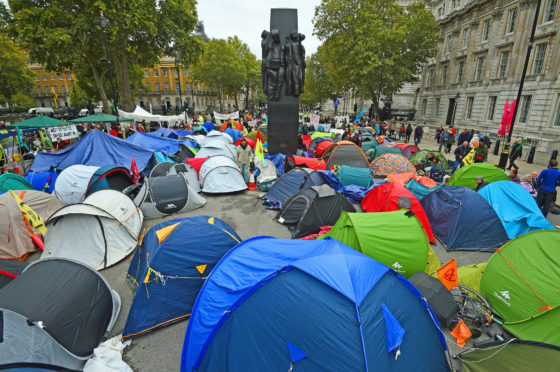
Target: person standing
(460, 152)
(515, 152)
(480, 153)
(408, 132)
(402, 132)
(549, 179)
(439, 133)
(443, 139)
(418, 133)
(243, 158)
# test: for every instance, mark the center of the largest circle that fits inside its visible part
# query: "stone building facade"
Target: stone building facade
(478, 66)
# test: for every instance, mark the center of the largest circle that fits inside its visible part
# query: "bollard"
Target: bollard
(531, 154)
(497, 148)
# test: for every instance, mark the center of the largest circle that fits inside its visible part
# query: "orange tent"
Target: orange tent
(234, 124)
(402, 179)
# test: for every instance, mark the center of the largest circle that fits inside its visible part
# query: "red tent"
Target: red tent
(391, 197)
(250, 142)
(306, 141)
(322, 147)
(293, 161)
(408, 150)
(196, 163)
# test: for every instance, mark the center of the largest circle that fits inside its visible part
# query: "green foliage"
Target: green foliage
(318, 84)
(15, 75)
(78, 97)
(22, 102)
(66, 35)
(364, 39)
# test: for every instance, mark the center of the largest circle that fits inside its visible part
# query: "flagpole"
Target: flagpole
(505, 152)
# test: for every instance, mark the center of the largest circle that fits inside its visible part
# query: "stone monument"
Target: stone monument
(283, 77)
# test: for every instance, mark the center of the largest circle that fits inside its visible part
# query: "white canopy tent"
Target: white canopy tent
(140, 114)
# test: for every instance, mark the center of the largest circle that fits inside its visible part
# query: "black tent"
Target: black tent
(56, 312)
(311, 208)
(10, 269)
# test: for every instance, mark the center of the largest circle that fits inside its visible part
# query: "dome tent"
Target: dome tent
(305, 292)
(408, 150)
(168, 168)
(216, 149)
(183, 252)
(345, 153)
(72, 183)
(10, 270)
(109, 177)
(387, 164)
(12, 181)
(312, 208)
(465, 176)
(292, 182)
(380, 236)
(463, 220)
(56, 312)
(15, 232)
(106, 224)
(221, 175)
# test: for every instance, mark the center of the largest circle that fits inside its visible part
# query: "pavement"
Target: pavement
(161, 349)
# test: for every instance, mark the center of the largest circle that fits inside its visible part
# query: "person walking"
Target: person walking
(439, 133)
(515, 152)
(450, 142)
(243, 158)
(402, 132)
(460, 152)
(464, 136)
(549, 179)
(418, 133)
(408, 132)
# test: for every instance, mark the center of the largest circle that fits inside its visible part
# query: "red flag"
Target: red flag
(503, 123)
(447, 274)
(510, 115)
(259, 137)
(134, 171)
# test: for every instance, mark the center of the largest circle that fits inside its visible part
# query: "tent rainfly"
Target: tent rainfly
(220, 175)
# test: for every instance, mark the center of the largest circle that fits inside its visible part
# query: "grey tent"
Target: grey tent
(99, 232)
(168, 168)
(216, 136)
(220, 175)
(215, 149)
(166, 195)
(10, 269)
(311, 208)
(56, 312)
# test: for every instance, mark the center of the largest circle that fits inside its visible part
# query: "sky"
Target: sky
(247, 19)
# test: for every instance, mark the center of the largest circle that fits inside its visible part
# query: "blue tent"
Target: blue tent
(95, 149)
(290, 183)
(109, 177)
(42, 181)
(418, 189)
(463, 220)
(168, 146)
(234, 133)
(354, 176)
(517, 209)
(170, 266)
(316, 305)
(209, 127)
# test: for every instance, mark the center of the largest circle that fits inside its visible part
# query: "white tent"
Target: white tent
(217, 148)
(71, 185)
(220, 175)
(99, 232)
(140, 114)
(216, 136)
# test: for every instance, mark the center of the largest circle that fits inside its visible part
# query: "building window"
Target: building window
(444, 75)
(186, 72)
(448, 45)
(55, 89)
(177, 88)
(37, 78)
(146, 73)
(485, 31)
(525, 107)
(491, 107)
(176, 73)
(557, 119)
(512, 15)
(460, 69)
(540, 52)
(549, 11)
(60, 77)
(148, 88)
(440, 12)
(44, 77)
(166, 86)
(431, 77)
(466, 34)
(53, 77)
(164, 72)
(479, 68)
(157, 89)
(63, 89)
(468, 113)
(156, 72)
(39, 92)
(436, 107)
(424, 106)
(504, 58)
(188, 87)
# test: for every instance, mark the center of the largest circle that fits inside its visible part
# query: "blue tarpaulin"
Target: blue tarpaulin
(95, 149)
(165, 145)
(278, 160)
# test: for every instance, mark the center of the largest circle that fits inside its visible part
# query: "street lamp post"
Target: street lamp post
(505, 152)
(179, 80)
(379, 87)
(104, 23)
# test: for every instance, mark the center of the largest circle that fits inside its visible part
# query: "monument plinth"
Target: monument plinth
(283, 77)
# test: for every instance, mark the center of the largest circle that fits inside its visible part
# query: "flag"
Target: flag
(510, 114)
(259, 151)
(461, 332)
(55, 97)
(469, 158)
(336, 103)
(134, 171)
(447, 274)
(359, 117)
(30, 215)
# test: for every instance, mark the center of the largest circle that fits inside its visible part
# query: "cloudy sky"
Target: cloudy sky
(247, 18)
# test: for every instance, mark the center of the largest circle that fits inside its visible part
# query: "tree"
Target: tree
(22, 102)
(66, 35)
(251, 67)
(374, 46)
(220, 66)
(318, 84)
(16, 79)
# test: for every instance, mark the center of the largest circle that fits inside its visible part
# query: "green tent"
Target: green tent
(369, 145)
(40, 122)
(422, 157)
(12, 181)
(396, 238)
(318, 134)
(100, 118)
(521, 281)
(513, 355)
(465, 176)
(387, 150)
(253, 136)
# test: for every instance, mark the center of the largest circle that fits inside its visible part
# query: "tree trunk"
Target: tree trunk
(99, 83)
(236, 102)
(221, 94)
(126, 93)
